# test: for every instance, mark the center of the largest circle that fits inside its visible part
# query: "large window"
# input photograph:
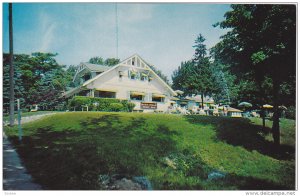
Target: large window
(105, 94)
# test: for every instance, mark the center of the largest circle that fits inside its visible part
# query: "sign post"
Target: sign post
(19, 120)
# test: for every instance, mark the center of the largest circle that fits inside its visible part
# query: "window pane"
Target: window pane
(137, 97)
(158, 99)
(106, 94)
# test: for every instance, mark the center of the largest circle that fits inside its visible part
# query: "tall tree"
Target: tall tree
(180, 77)
(262, 41)
(196, 76)
(201, 77)
(96, 60)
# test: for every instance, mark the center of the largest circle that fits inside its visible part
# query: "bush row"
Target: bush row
(100, 104)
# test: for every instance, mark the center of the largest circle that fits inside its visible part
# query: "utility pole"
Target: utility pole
(11, 69)
(117, 39)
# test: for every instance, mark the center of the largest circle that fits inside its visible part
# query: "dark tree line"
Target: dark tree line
(256, 59)
(39, 79)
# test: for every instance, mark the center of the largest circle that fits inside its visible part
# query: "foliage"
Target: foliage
(39, 79)
(18, 84)
(96, 60)
(160, 74)
(79, 101)
(135, 144)
(196, 76)
(180, 75)
(100, 104)
(291, 112)
(130, 106)
(116, 107)
(100, 61)
(249, 48)
(111, 61)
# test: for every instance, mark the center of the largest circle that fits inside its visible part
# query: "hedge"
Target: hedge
(100, 104)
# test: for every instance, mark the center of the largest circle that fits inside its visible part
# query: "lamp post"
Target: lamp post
(19, 121)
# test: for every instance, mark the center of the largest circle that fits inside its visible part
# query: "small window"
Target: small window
(144, 77)
(137, 97)
(133, 75)
(87, 77)
(158, 99)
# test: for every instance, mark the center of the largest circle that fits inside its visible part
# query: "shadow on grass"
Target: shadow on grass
(241, 132)
(73, 160)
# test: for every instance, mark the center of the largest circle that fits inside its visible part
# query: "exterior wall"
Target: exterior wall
(122, 86)
(235, 114)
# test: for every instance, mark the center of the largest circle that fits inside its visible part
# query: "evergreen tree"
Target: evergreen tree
(262, 43)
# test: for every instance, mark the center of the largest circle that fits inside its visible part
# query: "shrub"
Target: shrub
(130, 106)
(116, 107)
(78, 102)
(100, 104)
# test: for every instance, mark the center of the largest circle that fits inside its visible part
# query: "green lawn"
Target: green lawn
(70, 150)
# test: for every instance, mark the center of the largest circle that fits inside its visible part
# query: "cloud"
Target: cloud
(48, 27)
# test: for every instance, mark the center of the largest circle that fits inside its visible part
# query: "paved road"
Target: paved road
(15, 175)
(29, 118)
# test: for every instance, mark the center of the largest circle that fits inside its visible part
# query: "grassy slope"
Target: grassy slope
(70, 150)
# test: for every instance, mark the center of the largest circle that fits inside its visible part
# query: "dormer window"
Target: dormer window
(121, 73)
(133, 61)
(133, 75)
(144, 77)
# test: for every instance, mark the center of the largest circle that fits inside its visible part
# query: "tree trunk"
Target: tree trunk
(11, 70)
(275, 127)
(202, 99)
(263, 119)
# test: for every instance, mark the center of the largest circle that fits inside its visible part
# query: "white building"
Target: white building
(132, 79)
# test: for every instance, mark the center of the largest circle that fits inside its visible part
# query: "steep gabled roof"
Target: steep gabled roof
(91, 67)
(139, 62)
(95, 67)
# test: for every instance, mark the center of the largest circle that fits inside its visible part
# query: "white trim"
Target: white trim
(80, 70)
(99, 75)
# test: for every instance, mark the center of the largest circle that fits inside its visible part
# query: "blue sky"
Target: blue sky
(162, 34)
